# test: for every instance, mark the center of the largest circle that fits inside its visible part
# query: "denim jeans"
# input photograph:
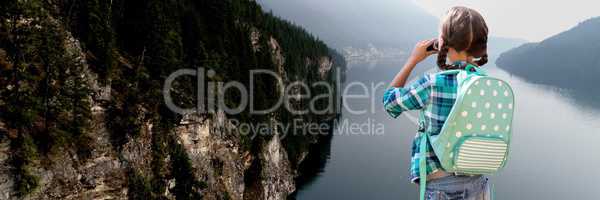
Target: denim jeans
(458, 188)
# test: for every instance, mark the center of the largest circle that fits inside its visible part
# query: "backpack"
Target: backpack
(475, 137)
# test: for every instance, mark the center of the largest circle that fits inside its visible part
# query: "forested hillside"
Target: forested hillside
(569, 60)
(81, 107)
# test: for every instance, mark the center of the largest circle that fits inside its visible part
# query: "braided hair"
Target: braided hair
(463, 29)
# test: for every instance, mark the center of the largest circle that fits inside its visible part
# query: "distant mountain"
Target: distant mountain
(569, 60)
(343, 23)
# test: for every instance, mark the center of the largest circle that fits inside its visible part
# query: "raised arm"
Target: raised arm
(399, 98)
(419, 54)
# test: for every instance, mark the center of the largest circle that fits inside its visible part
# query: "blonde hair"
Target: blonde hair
(463, 29)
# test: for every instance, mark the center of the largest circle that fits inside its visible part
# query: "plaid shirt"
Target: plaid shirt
(434, 95)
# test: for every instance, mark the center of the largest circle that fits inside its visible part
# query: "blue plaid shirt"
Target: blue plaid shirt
(434, 95)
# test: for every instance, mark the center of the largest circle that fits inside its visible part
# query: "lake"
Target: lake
(554, 154)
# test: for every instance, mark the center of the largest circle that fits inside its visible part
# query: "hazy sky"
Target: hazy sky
(532, 20)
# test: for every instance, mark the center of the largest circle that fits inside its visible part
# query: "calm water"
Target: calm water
(555, 150)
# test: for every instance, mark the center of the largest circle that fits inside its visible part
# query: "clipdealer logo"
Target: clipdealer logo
(211, 99)
(211, 94)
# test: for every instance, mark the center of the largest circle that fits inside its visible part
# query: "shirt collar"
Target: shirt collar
(460, 64)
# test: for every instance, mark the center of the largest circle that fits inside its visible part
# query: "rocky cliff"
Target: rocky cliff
(81, 108)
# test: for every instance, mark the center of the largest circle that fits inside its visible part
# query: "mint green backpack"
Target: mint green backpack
(475, 138)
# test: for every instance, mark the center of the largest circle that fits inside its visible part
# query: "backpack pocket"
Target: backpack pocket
(480, 155)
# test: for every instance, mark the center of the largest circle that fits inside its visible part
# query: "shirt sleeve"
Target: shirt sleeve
(412, 97)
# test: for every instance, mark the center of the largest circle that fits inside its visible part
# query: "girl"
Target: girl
(462, 39)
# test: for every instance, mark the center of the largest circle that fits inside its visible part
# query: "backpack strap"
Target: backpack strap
(474, 70)
(466, 73)
(492, 191)
(423, 165)
(422, 157)
(469, 72)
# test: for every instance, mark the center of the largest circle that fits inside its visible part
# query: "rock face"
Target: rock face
(325, 65)
(98, 131)
(212, 145)
(277, 177)
(65, 176)
(214, 151)
(6, 182)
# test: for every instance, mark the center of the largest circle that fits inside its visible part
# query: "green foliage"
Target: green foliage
(139, 186)
(186, 187)
(44, 95)
(23, 158)
(159, 166)
(97, 33)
